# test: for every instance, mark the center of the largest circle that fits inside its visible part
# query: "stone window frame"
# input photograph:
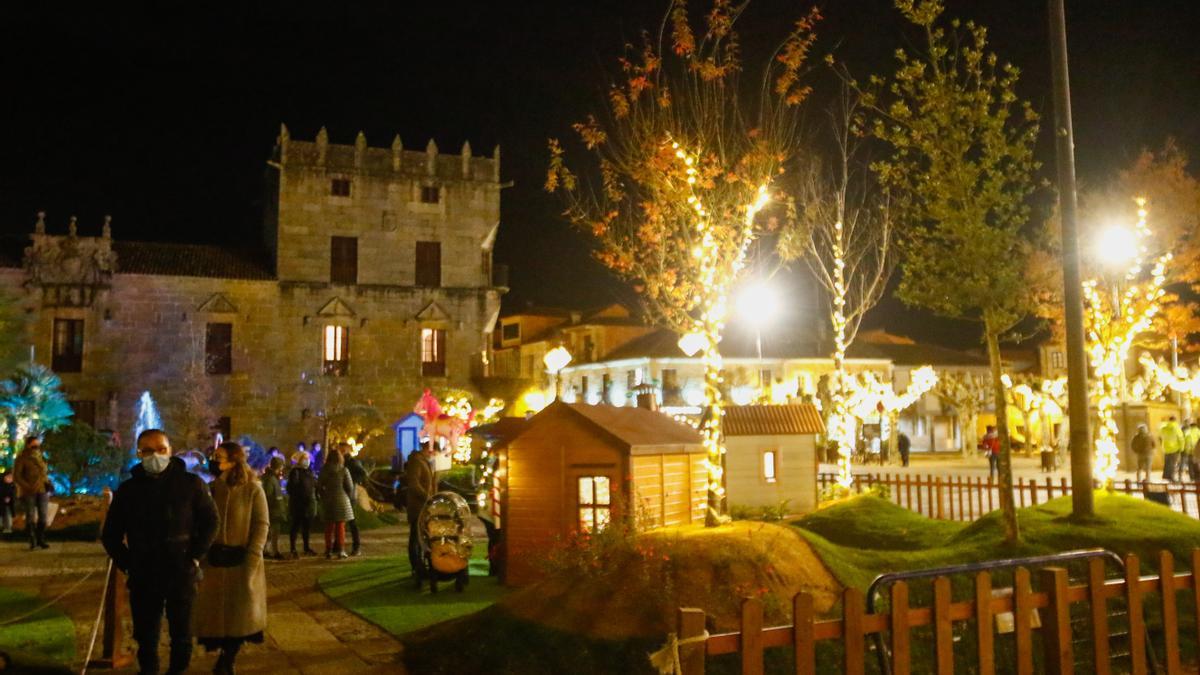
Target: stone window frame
(65, 363)
(335, 367)
(215, 364)
(438, 365)
(336, 182)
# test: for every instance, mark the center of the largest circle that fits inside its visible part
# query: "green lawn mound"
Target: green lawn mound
(603, 607)
(862, 537)
(39, 638)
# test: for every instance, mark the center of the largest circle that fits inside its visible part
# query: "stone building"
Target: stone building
(372, 281)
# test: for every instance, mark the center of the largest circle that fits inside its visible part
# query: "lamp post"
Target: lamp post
(758, 304)
(556, 359)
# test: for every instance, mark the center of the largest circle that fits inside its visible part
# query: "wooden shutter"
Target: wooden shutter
(343, 260)
(429, 264)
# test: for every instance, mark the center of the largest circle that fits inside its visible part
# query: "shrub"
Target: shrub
(82, 459)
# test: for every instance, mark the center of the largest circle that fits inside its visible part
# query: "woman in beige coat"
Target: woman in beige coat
(231, 605)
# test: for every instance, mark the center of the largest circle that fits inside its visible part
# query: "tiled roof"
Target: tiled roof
(189, 260)
(634, 426)
(920, 354)
(772, 420)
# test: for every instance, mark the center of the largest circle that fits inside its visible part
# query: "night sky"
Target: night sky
(165, 119)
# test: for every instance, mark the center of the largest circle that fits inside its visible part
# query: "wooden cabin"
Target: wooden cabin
(771, 455)
(580, 467)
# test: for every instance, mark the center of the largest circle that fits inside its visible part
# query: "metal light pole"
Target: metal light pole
(1082, 499)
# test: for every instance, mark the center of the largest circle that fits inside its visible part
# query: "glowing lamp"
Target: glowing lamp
(692, 343)
(556, 359)
(1117, 246)
(759, 303)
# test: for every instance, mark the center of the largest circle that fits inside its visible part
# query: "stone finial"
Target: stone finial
(466, 159)
(284, 139)
(496, 164)
(360, 149)
(106, 232)
(72, 228)
(322, 145)
(431, 152)
(397, 153)
(40, 226)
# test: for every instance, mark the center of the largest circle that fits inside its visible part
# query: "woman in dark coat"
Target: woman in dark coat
(302, 500)
(335, 488)
(276, 505)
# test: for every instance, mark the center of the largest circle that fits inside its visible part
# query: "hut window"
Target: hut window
(595, 503)
(769, 467)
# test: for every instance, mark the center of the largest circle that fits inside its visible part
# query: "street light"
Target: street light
(758, 304)
(1117, 246)
(556, 359)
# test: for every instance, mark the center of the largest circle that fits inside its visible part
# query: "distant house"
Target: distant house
(771, 455)
(577, 467)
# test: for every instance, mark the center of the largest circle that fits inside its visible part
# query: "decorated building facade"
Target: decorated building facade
(373, 280)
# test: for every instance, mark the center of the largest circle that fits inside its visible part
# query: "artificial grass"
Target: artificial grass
(45, 635)
(381, 591)
(862, 537)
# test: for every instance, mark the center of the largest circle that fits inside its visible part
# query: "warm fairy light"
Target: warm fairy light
(717, 275)
(556, 359)
(1114, 320)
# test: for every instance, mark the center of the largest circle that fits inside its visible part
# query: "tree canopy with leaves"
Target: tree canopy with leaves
(680, 160)
(961, 172)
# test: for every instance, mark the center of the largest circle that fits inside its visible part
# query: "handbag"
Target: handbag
(222, 555)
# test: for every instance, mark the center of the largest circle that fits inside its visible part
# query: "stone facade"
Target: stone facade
(146, 309)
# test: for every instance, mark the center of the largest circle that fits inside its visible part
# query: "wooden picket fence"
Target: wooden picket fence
(970, 497)
(1053, 606)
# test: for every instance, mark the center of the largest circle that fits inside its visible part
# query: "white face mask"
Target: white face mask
(156, 463)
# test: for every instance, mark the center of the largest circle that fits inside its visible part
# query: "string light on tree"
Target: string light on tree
(1113, 323)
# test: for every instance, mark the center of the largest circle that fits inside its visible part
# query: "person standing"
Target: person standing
(903, 445)
(231, 606)
(991, 445)
(33, 489)
(421, 484)
(8, 502)
(1191, 438)
(276, 505)
(1142, 446)
(334, 488)
(358, 476)
(302, 501)
(1171, 437)
(158, 528)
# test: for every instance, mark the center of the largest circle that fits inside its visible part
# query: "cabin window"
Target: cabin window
(510, 331)
(595, 503)
(770, 466)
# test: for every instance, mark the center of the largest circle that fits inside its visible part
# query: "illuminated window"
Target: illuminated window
(339, 187)
(764, 376)
(1057, 359)
(631, 379)
(769, 466)
(433, 352)
(336, 350)
(67, 356)
(595, 503)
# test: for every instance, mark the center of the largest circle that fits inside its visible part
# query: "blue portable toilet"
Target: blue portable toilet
(408, 438)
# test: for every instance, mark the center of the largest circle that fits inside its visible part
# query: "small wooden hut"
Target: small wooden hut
(771, 455)
(579, 467)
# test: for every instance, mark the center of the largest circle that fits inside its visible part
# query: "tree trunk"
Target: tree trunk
(711, 431)
(1008, 506)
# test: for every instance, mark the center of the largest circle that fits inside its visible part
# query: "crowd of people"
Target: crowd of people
(1180, 445)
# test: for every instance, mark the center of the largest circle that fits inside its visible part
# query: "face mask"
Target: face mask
(156, 463)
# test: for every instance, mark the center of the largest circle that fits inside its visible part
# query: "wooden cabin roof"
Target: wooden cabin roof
(634, 430)
(772, 420)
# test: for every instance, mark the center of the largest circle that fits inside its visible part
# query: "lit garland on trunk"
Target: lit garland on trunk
(871, 396)
(1112, 325)
(716, 277)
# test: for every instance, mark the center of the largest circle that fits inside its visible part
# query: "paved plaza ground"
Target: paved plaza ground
(306, 631)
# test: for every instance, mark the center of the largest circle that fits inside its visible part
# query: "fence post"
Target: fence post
(853, 638)
(984, 635)
(940, 516)
(901, 654)
(1137, 625)
(689, 623)
(1098, 605)
(943, 626)
(752, 646)
(920, 505)
(1170, 617)
(1056, 628)
(1020, 490)
(1023, 620)
(803, 640)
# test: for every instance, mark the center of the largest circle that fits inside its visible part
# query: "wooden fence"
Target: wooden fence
(968, 498)
(1053, 606)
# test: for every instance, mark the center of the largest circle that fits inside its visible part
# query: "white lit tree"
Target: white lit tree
(969, 395)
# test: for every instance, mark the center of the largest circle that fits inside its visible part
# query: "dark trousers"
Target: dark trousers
(1171, 466)
(35, 516)
(301, 524)
(355, 541)
(904, 456)
(415, 560)
(993, 465)
(148, 599)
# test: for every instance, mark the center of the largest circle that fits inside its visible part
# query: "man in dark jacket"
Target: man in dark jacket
(421, 485)
(160, 525)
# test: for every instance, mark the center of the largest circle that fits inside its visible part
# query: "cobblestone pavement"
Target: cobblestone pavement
(306, 631)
